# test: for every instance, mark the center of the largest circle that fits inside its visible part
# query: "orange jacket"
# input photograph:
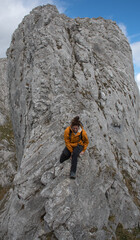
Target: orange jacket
(73, 140)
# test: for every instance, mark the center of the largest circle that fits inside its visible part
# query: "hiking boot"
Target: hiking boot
(72, 175)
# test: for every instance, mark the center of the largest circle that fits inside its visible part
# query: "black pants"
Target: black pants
(66, 155)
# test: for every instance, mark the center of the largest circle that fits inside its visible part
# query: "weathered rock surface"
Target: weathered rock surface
(7, 147)
(58, 68)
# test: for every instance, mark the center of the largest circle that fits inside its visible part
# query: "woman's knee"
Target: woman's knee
(65, 155)
(66, 152)
(77, 150)
(62, 158)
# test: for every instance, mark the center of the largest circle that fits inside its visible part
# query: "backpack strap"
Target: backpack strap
(70, 134)
(80, 136)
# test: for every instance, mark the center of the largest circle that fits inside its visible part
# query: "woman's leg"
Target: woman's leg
(65, 155)
(75, 155)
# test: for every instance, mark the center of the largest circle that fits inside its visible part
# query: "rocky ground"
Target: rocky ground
(59, 68)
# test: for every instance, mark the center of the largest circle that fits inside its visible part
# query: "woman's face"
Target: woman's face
(75, 128)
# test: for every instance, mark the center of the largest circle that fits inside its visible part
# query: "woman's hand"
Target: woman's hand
(82, 153)
(71, 156)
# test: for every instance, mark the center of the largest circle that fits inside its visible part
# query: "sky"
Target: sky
(126, 13)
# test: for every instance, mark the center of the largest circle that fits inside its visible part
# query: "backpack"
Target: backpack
(80, 136)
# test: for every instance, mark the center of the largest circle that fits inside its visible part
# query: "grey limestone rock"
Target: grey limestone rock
(8, 162)
(58, 68)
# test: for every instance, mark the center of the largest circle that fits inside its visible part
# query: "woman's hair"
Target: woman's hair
(75, 122)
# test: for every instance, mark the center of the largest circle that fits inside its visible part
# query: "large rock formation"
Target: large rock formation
(58, 68)
(8, 163)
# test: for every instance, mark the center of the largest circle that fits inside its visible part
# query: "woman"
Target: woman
(76, 141)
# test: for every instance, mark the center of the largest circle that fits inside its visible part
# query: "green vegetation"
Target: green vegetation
(127, 234)
(111, 218)
(6, 132)
(129, 181)
(3, 191)
(94, 229)
(4, 195)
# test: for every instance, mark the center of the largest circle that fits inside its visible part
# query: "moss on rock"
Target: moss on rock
(6, 132)
(127, 234)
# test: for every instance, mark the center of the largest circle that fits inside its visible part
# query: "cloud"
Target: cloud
(134, 35)
(136, 53)
(123, 28)
(137, 78)
(136, 59)
(61, 6)
(12, 13)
